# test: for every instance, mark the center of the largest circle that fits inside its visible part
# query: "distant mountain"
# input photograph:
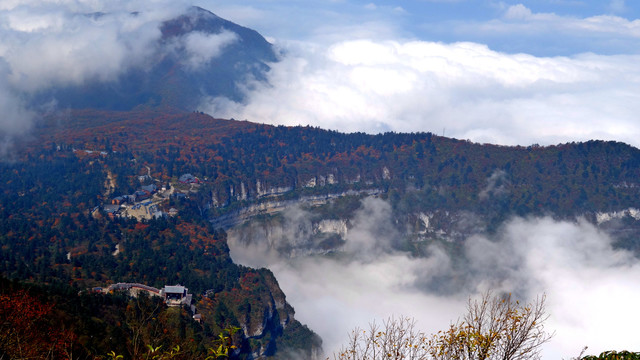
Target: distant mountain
(199, 54)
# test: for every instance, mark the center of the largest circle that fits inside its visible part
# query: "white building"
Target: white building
(176, 295)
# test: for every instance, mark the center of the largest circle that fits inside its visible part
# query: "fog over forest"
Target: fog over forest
(591, 287)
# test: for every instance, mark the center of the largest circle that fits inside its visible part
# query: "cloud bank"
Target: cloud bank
(357, 69)
(48, 44)
(464, 90)
(72, 42)
(592, 288)
(373, 77)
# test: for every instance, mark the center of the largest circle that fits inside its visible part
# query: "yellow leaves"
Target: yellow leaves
(112, 355)
(494, 328)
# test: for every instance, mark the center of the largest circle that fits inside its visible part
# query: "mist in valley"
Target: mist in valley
(590, 286)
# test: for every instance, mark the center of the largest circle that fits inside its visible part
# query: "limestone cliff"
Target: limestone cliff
(259, 308)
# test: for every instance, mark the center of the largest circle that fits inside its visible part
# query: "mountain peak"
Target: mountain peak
(198, 55)
(194, 19)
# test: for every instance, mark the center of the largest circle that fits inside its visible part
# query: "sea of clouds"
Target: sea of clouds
(572, 78)
(591, 287)
(461, 90)
(350, 76)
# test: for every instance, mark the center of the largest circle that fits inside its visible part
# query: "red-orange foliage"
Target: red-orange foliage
(141, 226)
(26, 329)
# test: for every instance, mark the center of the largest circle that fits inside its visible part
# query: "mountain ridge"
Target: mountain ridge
(214, 148)
(169, 81)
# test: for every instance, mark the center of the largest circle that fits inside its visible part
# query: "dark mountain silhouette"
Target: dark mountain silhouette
(170, 82)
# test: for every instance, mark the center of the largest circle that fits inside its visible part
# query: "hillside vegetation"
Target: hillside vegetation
(53, 232)
(243, 161)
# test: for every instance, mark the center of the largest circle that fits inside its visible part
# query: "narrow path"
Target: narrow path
(109, 184)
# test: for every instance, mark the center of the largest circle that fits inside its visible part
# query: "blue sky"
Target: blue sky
(553, 27)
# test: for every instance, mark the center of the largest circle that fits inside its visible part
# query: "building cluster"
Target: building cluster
(188, 179)
(176, 295)
(140, 204)
(143, 203)
(173, 295)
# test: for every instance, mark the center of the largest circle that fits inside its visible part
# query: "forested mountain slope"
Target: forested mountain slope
(248, 169)
(54, 232)
(566, 179)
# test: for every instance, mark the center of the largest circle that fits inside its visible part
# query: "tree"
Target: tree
(396, 339)
(224, 344)
(613, 355)
(494, 328)
(141, 314)
(28, 329)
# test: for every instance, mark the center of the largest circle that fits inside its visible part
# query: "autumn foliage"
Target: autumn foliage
(27, 330)
(494, 328)
(614, 355)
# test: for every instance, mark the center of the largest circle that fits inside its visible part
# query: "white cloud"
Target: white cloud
(592, 289)
(23, 21)
(202, 47)
(371, 6)
(518, 11)
(15, 119)
(50, 43)
(520, 19)
(472, 91)
(53, 49)
(496, 185)
(617, 6)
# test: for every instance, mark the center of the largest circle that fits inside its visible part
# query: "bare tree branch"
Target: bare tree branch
(494, 328)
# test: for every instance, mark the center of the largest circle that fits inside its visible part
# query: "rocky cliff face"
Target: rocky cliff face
(294, 229)
(270, 322)
(271, 207)
(292, 236)
(259, 307)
